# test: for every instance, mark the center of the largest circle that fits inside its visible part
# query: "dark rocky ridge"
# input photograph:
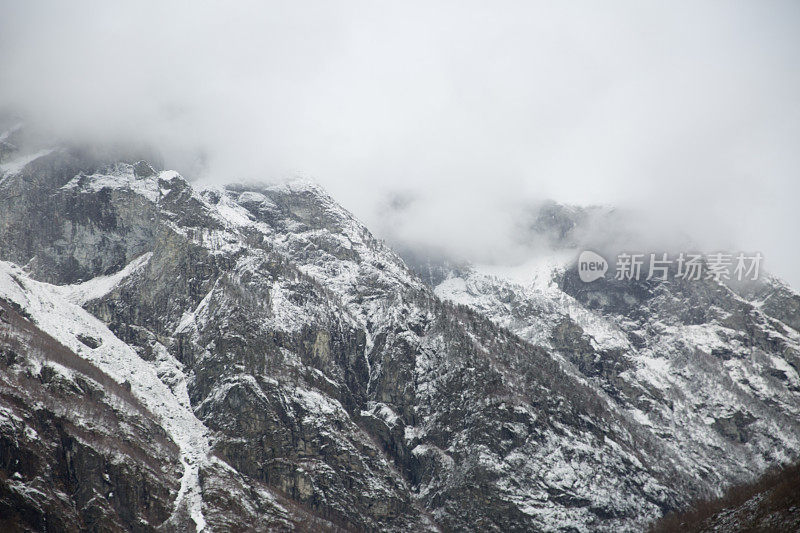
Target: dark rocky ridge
(338, 390)
(70, 457)
(711, 370)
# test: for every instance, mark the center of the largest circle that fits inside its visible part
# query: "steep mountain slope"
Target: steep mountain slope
(771, 503)
(78, 450)
(304, 374)
(85, 401)
(711, 370)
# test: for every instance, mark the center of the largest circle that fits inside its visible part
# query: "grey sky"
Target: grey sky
(689, 111)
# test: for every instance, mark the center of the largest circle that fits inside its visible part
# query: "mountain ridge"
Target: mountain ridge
(329, 376)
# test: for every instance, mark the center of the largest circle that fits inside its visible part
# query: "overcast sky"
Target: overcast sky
(690, 111)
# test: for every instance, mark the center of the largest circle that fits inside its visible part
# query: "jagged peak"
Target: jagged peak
(293, 185)
(139, 177)
(298, 184)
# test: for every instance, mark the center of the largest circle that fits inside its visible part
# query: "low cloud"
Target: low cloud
(462, 110)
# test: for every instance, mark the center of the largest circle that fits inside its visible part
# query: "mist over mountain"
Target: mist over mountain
(408, 267)
(180, 357)
(689, 116)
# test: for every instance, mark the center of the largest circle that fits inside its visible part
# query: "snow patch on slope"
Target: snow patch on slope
(64, 321)
(95, 288)
(526, 300)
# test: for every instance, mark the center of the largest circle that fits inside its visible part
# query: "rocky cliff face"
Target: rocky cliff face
(277, 367)
(710, 369)
(78, 449)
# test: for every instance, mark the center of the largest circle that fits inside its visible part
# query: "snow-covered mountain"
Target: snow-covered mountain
(693, 361)
(252, 358)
